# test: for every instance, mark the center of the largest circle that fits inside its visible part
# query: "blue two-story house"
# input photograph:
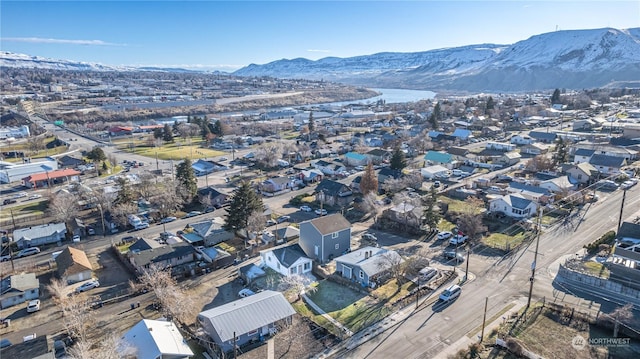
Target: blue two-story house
(325, 238)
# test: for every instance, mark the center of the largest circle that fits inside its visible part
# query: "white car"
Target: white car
(305, 209)
(76, 238)
(246, 292)
(88, 285)
(19, 195)
(450, 293)
(444, 235)
(168, 219)
(458, 239)
(28, 252)
(321, 212)
(34, 196)
(33, 306)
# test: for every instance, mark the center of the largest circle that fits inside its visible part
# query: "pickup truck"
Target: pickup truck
(458, 239)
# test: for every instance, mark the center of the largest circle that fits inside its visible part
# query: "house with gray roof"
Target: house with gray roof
(18, 289)
(333, 193)
(326, 237)
(607, 165)
(286, 260)
(248, 319)
(582, 155)
(514, 205)
(582, 172)
(38, 235)
(164, 257)
(544, 137)
(217, 198)
(208, 232)
(368, 266)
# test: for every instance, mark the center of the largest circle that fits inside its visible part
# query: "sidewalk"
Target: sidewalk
(464, 342)
(390, 321)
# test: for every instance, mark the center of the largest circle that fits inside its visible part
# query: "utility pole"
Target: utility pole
(535, 259)
(235, 352)
(624, 195)
(418, 293)
(466, 272)
(484, 318)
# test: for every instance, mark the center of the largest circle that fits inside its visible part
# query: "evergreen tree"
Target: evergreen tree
(398, 161)
(490, 104)
(158, 133)
(555, 98)
(96, 155)
(186, 177)
(125, 193)
(217, 128)
(431, 217)
(205, 131)
(436, 116)
(561, 154)
(369, 181)
(244, 203)
(167, 133)
(312, 124)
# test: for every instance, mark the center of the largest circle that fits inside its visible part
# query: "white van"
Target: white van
(450, 293)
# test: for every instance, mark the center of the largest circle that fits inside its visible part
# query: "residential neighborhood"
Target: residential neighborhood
(216, 236)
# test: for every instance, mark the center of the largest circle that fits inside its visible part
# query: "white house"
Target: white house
(521, 140)
(152, 339)
(432, 172)
(286, 260)
(514, 205)
(558, 185)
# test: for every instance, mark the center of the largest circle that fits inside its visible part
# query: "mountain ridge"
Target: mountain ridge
(562, 59)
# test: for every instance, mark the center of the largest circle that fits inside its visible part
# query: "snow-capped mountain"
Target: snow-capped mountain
(561, 59)
(10, 59)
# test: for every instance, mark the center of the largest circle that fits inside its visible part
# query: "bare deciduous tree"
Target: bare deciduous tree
(394, 263)
(175, 302)
(63, 206)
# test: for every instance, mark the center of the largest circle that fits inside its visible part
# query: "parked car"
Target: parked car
(4, 342)
(143, 225)
(321, 212)
(305, 209)
(5, 258)
(270, 222)
(458, 257)
(8, 201)
(193, 214)
(28, 252)
(88, 285)
(436, 184)
(168, 219)
(369, 237)
(450, 293)
(35, 196)
(246, 292)
(427, 274)
(458, 239)
(444, 235)
(20, 195)
(33, 306)
(91, 231)
(76, 238)
(283, 219)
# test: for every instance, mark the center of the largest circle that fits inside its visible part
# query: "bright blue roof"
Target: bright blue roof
(438, 157)
(355, 156)
(462, 133)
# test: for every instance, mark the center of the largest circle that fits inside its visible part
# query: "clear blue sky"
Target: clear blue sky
(227, 35)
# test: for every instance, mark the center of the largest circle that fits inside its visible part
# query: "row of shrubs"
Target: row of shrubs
(607, 238)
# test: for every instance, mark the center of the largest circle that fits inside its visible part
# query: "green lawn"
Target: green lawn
(456, 205)
(177, 150)
(500, 240)
(352, 309)
(33, 208)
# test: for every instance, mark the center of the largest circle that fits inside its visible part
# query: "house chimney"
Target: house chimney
(366, 254)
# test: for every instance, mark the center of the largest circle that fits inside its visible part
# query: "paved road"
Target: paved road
(428, 332)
